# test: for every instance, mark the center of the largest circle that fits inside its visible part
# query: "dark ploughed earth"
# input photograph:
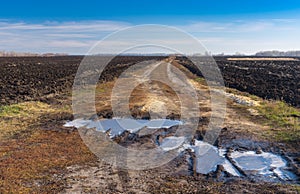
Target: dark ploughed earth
(34, 78)
(269, 79)
(30, 78)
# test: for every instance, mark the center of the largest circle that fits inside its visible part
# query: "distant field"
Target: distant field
(262, 59)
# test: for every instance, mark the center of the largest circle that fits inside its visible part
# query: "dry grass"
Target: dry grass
(281, 118)
(28, 165)
(30, 155)
(19, 117)
(280, 114)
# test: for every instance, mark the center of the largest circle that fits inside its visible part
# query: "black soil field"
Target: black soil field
(32, 78)
(35, 78)
(269, 79)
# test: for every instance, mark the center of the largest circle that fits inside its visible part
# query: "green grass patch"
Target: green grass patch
(280, 114)
(10, 110)
(201, 80)
(20, 118)
(283, 118)
(101, 90)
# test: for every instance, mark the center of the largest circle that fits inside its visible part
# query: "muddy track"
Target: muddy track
(179, 175)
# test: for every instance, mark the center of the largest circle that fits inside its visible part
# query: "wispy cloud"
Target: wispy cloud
(69, 35)
(69, 43)
(72, 37)
(79, 36)
(240, 26)
(247, 36)
(81, 26)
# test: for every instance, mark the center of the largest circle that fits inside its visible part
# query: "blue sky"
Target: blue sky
(222, 26)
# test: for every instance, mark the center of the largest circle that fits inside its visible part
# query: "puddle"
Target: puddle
(269, 166)
(118, 125)
(208, 157)
(264, 165)
(171, 143)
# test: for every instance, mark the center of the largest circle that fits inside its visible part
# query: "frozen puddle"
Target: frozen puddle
(207, 157)
(265, 164)
(171, 143)
(118, 125)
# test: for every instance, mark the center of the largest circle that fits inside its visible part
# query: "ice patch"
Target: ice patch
(118, 125)
(230, 168)
(207, 157)
(266, 164)
(171, 143)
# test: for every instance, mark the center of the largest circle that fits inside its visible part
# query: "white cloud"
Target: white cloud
(73, 37)
(69, 43)
(82, 26)
(240, 26)
(78, 37)
(247, 36)
(69, 35)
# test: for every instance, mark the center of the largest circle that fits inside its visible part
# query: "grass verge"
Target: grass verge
(34, 150)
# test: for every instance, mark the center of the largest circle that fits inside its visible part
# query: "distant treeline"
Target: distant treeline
(273, 53)
(279, 53)
(28, 54)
